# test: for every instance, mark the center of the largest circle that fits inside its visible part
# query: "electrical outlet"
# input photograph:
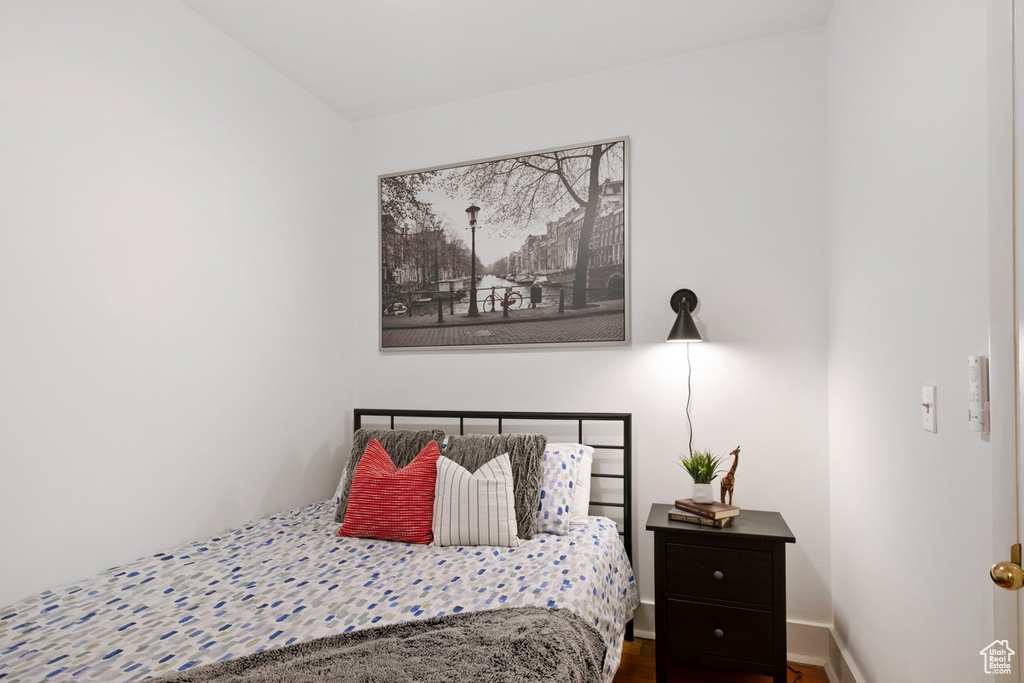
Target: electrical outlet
(928, 408)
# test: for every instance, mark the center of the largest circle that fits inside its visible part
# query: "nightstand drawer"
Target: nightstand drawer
(720, 573)
(733, 632)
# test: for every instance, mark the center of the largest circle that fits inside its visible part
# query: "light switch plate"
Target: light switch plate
(928, 408)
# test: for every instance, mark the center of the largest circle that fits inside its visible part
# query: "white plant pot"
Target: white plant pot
(702, 493)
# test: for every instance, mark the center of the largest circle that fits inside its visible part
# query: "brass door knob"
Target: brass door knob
(1009, 575)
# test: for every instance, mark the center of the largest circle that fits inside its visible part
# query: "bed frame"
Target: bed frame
(499, 417)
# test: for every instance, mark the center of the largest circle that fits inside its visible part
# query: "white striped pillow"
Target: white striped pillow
(477, 508)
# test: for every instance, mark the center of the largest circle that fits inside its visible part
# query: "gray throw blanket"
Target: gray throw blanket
(515, 645)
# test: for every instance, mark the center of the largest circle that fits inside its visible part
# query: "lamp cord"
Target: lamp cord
(689, 422)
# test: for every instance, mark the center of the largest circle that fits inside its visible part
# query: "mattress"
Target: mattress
(287, 578)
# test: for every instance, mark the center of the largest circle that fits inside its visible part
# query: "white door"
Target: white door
(1006, 302)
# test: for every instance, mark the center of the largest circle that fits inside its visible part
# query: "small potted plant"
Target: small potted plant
(703, 468)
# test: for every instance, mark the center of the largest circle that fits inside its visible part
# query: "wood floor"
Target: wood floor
(638, 667)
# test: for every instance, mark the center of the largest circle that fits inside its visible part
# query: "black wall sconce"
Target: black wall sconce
(684, 329)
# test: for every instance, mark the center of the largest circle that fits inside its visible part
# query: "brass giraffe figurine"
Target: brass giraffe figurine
(729, 479)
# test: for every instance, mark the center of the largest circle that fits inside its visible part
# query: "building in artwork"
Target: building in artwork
(417, 255)
(554, 253)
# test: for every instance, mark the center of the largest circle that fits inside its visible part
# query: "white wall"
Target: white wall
(173, 356)
(727, 199)
(908, 239)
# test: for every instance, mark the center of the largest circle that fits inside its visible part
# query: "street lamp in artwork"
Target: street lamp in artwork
(472, 211)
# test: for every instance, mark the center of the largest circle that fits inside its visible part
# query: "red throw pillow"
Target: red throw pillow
(389, 503)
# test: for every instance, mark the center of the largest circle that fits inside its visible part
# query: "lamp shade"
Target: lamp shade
(684, 329)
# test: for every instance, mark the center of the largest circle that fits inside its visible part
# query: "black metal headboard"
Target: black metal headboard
(580, 419)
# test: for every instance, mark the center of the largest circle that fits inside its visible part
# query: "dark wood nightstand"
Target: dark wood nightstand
(720, 594)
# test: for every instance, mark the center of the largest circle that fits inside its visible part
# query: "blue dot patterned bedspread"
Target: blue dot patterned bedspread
(286, 578)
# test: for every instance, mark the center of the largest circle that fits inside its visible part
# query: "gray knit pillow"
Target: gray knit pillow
(525, 452)
(403, 445)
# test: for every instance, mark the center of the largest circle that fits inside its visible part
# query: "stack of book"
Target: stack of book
(717, 515)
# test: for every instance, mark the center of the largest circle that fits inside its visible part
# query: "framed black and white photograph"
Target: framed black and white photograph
(518, 251)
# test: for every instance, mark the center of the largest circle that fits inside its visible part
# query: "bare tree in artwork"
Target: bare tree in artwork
(522, 188)
(413, 236)
(398, 206)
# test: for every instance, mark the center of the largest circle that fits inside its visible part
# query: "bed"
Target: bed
(287, 581)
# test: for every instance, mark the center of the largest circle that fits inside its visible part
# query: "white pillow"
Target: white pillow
(558, 481)
(477, 508)
(581, 488)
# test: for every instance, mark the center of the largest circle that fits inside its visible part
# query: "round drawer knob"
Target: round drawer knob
(719, 633)
(719, 575)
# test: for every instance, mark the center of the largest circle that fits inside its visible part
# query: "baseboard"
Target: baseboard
(643, 620)
(840, 667)
(807, 643)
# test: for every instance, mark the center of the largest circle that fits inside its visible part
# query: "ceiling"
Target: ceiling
(368, 58)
